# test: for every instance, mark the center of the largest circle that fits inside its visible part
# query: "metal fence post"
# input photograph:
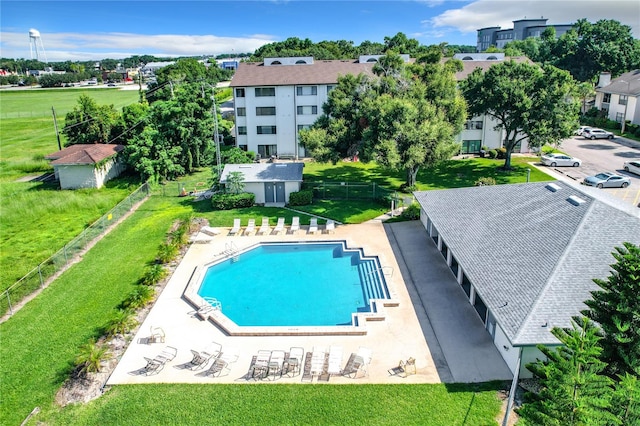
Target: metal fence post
(9, 303)
(40, 275)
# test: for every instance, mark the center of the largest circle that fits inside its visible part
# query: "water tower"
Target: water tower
(36, 46)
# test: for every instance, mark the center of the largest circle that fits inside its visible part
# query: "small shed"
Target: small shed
(86, 165)
(270, 182)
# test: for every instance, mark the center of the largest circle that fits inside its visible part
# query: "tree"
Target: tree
(585, 90)
(625, 403)
(589, 49)
(235, 182)
(152, 156)
(526, 101)
(89, 122)
(617, 309)
(574, 392)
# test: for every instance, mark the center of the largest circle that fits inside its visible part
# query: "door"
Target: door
(280, 192)
(269, 193)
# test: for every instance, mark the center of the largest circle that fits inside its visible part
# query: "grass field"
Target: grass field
(37, 219)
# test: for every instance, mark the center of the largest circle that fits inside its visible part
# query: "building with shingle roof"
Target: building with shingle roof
(272, 183)
(619, 98)
(526, 255)
(86, 165)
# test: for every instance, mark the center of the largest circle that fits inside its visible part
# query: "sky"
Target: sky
(93, 30)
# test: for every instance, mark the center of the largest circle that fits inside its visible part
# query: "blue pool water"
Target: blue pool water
(304, 284)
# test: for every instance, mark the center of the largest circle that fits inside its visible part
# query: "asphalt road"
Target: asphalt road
(603, 155)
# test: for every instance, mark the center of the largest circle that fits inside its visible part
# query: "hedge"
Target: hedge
(233, 201)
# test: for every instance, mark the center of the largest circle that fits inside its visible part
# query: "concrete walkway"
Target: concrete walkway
(460, 346)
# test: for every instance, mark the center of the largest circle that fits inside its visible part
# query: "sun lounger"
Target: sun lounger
(212, 232)
(276, 363)
(313, 225)
(236, 227)
(358, 363)
(261, 366)
(335, 360)
(294, 362)
(251, 227)
(156, 364)
(279, 226)
(306, 375)
(197, 362)
(330, 227)
(222, 365)
(295, 224)
(318, 360)
(264, 227)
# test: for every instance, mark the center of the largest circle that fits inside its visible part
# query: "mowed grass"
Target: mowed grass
(42, 340)
(38, 219)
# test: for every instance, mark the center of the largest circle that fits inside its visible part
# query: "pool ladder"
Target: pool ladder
(231, 250)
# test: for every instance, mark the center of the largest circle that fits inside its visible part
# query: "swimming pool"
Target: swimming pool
(295, 284)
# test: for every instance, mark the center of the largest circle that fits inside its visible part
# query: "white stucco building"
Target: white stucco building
(86, 165)
(272, 183)
(619, 97)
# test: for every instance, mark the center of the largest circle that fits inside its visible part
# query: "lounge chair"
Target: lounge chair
(261, 366)
(197, 362)
(295, 225)
(313, 225)
(156, 364)
(294, 361)
(251, 227)
(330, 227)
(276, 363)
(157, 335)
(318, 360)
(221, 366)
(306, 375)
(279, 226)
(264, 228)
(335, 360)
(236, 227)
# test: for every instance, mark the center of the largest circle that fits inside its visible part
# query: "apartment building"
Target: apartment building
(522, 29)
(619, 98)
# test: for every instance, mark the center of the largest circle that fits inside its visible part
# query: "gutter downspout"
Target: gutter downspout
(512, 391)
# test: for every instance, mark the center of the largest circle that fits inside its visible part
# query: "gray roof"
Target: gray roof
(531, 254)
(627, 84)
(265, 172)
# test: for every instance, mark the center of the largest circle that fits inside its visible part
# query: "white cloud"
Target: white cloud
(79, 46)
(489, 13)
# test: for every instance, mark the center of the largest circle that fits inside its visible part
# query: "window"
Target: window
(622, 100)
(267, 151)
(307, 110)
(266, 130)
(265, 110)
(306, 90)
(619, 116)
(303, 127)
(330, 87)
(606, 98)
(242, 112)
(265, 91)
(239, 93)
(242, 130)
(473, 125)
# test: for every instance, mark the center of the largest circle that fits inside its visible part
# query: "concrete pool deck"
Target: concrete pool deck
(406, 332)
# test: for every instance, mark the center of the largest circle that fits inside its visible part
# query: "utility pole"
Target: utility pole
(55, 124)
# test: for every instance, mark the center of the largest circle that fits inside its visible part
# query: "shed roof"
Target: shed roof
(530, 252)
(320, 72)
(265, 172)
(84, 154)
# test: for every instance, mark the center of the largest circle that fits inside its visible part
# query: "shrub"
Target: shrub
(493, 153)
(301, 198)
(412, 212)
(122, 322)
(637, 133)
(502, 153)
(408, 188)
(90, 358)
(153, 275)
(233, 201)
(139, 297)
(485, 181)
(167, 252)
(547, 149)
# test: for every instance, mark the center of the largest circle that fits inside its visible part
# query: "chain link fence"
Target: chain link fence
(37, 278)
(350, 191)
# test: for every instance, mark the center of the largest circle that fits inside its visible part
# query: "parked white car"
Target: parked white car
(632, 167)
(595, 133)
(556, 159)
(581, 130)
